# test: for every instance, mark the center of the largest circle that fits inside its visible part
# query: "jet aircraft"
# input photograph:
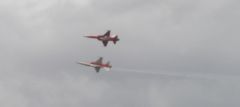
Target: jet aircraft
(97, 65)
(105, 38)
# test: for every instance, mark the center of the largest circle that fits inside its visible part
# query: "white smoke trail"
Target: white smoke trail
(187, 75)
(155, 72)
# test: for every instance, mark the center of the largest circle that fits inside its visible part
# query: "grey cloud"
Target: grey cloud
(40, 42)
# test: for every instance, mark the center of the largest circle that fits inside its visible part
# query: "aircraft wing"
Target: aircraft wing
(97, 69)
(107, 33)
(99, 61)
(105, 43)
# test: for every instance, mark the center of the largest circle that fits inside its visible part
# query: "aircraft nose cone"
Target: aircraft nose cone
(90, 36)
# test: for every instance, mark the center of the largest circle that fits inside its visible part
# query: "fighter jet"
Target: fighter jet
(105, 38)
(97, 65)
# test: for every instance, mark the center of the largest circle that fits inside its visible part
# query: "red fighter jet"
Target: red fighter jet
(97, 65)
(105, 38)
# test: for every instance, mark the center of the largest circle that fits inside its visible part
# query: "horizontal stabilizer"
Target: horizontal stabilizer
(107, 69)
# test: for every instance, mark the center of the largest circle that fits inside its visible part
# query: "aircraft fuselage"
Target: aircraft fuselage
(104, 38)
(101, 65)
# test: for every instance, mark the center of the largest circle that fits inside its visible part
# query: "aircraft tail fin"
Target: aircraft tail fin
(115, 39)
(108, 64)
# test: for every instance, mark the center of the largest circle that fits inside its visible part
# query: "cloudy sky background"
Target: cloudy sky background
(172, 53)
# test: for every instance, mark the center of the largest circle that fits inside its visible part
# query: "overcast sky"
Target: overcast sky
(171, 53)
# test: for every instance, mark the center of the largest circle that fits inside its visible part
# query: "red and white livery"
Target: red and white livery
(105, 38)
(97, 65)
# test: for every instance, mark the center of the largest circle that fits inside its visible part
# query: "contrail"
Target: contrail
(189, 75)
(155, 72)
(134, 70)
